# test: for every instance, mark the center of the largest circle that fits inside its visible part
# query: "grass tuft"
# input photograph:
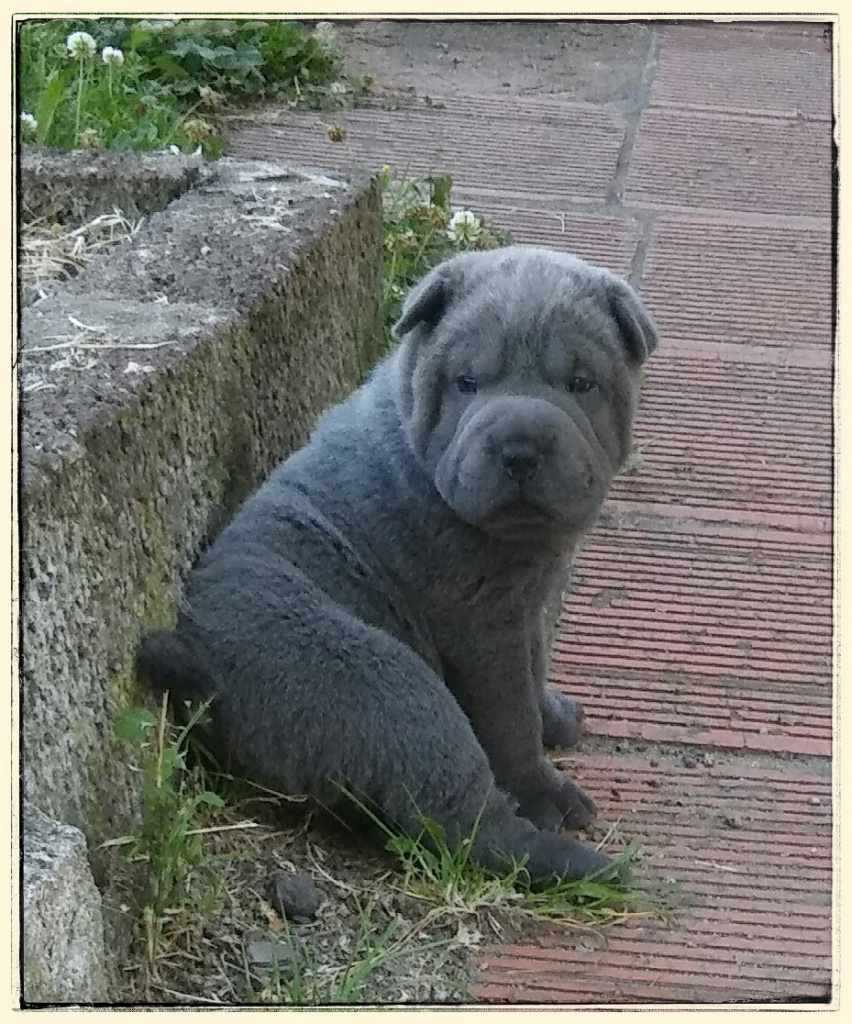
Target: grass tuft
(168, 840)
(302, 981)
(452, 885)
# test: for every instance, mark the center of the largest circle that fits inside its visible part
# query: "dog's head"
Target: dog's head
(517, 379)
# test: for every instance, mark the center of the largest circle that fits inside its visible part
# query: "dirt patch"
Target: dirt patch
(597, 62)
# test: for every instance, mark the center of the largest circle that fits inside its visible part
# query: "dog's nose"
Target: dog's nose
(520, 459)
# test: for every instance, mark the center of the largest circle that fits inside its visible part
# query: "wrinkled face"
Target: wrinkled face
(517, 379)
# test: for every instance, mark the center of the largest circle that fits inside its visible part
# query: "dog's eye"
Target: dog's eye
(467, 385)
(580, 385)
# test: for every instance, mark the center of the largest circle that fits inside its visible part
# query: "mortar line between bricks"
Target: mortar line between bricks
(646, 224)
(636, 210)
(615, 191)
(643, 219)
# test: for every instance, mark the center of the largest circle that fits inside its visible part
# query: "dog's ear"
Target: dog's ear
(427, 301)
(634, 321)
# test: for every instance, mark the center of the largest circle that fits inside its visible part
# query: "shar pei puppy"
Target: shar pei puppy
(372, 618)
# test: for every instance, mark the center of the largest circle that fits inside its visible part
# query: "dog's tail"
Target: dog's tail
(171, 663)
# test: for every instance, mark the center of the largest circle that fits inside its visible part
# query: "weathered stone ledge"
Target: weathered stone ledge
(160, 386)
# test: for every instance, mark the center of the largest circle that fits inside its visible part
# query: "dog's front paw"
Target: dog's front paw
(578, 808)
(561, 718)
(551, 800)
(559, 857)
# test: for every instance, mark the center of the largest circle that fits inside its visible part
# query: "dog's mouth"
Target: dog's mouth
(521, 511)
(520, 519)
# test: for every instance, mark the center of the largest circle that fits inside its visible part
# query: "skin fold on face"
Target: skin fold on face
(522, 386)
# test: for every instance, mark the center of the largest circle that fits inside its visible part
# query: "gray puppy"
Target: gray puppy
(373, 616)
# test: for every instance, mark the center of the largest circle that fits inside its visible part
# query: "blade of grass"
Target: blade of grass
(53, 94)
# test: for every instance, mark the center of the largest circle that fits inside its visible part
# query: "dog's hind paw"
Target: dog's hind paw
(562, 719)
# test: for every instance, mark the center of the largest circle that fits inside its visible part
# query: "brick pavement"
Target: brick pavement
(701, 620)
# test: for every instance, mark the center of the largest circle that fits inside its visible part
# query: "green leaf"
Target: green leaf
(171, 760)
(138, 38)
(135, 722)
(151, 792)
(212, 147)
(441, 186)
(54, 92)
(168, 64)
(213, 799)
(190, 47)
(434, 830)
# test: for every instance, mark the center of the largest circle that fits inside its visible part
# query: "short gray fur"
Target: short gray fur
(374, 615)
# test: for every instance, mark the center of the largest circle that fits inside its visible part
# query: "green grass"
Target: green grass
(452, 885)
(173, 795)
(169, 83)
(449, 880)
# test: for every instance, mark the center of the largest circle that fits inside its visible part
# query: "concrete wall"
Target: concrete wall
(261, 290)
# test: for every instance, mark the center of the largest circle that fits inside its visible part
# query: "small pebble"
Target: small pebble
(268, 953)
(294, 896)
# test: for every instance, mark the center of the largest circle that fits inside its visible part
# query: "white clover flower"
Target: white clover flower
(326, 35)
(337, 88)
(80, 45)
(89, 139)
(28, 122)
(112, 57)
(325, 31)
(464, 226)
